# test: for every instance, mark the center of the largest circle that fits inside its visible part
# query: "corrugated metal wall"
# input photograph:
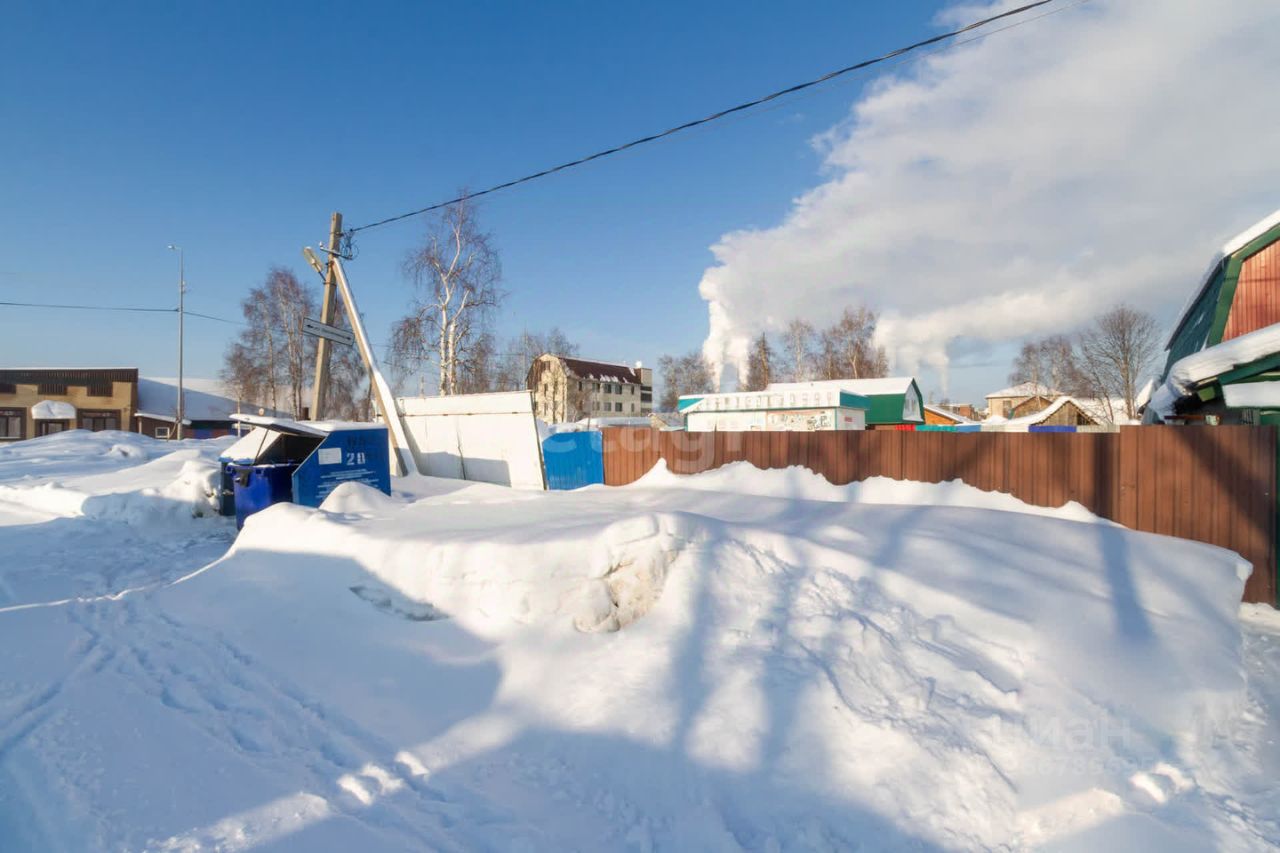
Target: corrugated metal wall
(1257, 300)
(573, 459)
(1211, 484)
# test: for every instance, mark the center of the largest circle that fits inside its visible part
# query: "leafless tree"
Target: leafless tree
(1052, 363)
(1118, 351)
(846, 350)
(269, 363)
(350, 396)
(686, 374)
(521, 350)
(759, 364)
(456, 275)
(478, 371)
(797, 343)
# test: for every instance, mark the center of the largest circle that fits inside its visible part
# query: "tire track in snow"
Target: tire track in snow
(224, 692)
(36, 710)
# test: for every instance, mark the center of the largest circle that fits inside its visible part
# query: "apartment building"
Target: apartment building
(566, 388)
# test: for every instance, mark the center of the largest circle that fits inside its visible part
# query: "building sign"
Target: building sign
(801, 420)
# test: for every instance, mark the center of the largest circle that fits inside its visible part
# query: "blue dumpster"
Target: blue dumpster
(259, 486)
(284, 460)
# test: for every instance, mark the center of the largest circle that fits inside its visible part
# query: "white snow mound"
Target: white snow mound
(801, 483)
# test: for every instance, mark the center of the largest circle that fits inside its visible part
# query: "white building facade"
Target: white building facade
(566, 388)
(795, 410)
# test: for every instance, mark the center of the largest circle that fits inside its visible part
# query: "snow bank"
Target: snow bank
(796, 665)
(177, 485)
(594, 576)
(659, 667)
(798, 482)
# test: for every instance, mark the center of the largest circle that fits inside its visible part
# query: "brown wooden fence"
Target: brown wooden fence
(1211, 484)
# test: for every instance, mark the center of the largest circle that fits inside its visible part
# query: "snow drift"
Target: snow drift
(737, 660)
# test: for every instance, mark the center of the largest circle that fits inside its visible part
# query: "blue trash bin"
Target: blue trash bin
(227, 486)
(258, 486)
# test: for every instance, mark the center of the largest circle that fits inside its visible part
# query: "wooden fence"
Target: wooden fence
(1211, 484)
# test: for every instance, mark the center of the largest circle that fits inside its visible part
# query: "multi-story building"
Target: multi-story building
(569, 389)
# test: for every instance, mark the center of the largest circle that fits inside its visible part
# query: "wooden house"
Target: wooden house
(1223, 356)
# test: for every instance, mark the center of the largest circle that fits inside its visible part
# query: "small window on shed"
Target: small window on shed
(162, 432)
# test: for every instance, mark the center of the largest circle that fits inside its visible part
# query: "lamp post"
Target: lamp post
(182, 289)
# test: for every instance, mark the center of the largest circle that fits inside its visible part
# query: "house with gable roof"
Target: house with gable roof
(1223, 355)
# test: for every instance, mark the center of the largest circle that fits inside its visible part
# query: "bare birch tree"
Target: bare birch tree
(1054, 364)
(521, 350)
(686, 374)
(847, 349)
(1118, 351)
(797, 342)
(760, 360)
(456, 275)
(269, 363)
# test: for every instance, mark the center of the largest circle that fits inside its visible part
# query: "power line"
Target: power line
(129, 308)
(866, 63)
(89, 307)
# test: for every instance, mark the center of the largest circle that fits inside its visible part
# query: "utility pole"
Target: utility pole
(182, 290)
(327, 310)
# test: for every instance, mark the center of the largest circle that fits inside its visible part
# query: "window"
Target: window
(50, 427)
(162, 432)
(8, 388)
(98, 421)
(12, 424)
(99, 389)
(53, 389)
(1007, 408)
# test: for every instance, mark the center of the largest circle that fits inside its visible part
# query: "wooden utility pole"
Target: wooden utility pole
(327, 309)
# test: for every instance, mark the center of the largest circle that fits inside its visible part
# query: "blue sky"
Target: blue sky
(234, 129)
(1014, 187)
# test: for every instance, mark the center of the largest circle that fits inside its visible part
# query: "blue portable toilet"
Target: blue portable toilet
(573, 459)
(300, 461)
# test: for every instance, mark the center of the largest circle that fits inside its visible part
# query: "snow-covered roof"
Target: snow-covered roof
(601, 371)
(943, 412)
(864, 387)
(1044, 414)
(303, 427)
(1188, 373)
(156, 416)
(53, 410)
(205, 399)
(1025, 389)
(1108, 411)
(1228, 249)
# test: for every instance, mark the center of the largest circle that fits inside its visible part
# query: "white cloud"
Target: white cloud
(1020, 184)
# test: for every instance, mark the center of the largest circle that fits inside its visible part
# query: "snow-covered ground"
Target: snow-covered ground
(741, 660)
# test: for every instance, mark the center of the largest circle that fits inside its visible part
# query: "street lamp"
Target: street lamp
(182, 289)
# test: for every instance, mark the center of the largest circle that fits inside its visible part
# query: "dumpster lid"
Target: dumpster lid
(292, 427)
